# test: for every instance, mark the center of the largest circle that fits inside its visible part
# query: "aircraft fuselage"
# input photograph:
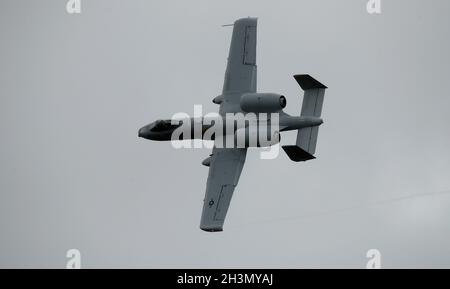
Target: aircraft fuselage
(162, 130)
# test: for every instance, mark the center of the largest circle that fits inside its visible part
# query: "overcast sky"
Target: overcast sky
(75, 89)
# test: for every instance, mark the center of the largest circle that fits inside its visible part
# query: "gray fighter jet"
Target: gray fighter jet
(239, 96)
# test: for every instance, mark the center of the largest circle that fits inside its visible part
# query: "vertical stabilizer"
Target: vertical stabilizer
(305, 147)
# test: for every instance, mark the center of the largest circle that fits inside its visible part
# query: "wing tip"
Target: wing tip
(247, 21)
(212, 229)
(211, 226)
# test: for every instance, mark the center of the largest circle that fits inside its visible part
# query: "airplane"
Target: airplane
(240, 95)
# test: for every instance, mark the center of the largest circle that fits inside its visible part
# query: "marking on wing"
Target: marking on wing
(221, 194)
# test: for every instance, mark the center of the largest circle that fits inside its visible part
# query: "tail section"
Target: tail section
(305, 147)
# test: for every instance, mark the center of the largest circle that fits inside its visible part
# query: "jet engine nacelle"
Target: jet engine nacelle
(256, 137)
(262, 102)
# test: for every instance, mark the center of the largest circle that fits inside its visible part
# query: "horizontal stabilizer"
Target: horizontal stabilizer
(297, 154)
(307, 82)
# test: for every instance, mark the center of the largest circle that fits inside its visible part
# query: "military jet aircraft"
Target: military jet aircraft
(239, 96)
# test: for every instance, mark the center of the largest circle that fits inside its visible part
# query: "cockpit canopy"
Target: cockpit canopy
(164, 125)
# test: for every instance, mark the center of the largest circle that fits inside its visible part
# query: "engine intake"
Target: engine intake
(262, 102)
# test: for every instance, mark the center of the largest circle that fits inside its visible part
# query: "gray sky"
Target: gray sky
(74, 90)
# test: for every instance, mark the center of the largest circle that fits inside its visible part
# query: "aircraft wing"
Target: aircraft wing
(224, 172)
(240, 75)
(227, 163)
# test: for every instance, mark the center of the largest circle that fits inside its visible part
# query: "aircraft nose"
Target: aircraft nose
(141, 132)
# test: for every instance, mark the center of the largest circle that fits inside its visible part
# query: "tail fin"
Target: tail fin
(305, 147)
